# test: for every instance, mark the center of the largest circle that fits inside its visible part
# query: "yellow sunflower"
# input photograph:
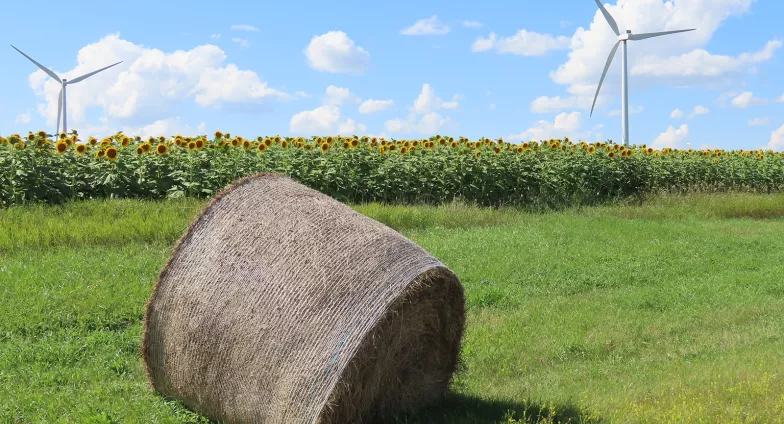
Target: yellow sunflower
(111, 153)
(80, 148)
(162, 149)
(61, 147)
(324, 147)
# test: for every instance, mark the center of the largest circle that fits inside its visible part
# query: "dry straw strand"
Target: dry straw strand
(282, 305)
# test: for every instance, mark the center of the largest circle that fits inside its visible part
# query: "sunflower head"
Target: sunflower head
(308, 146)
(497, 149)
(199, 144)
(611, 154)
(192, 145)
(591, 149)
(111, 153)
(162, 149)
(268, 141)
(346, 144)
(284, 144)
(392, 147)
(403, 150)
(261, 147)
(61, 147)
(139, 150)
(324, 147)
(146, 146)
(354, 142)
(477, 154)
(246, 144)
(80, 148)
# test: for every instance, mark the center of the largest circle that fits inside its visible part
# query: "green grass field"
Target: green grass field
(670, 311)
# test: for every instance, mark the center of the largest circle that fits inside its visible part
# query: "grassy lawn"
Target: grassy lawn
(670, 311)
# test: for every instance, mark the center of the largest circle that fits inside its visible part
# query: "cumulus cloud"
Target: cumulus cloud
(427, 26)
(148, 84)
(777, 139)
(681, 61)
(523, 43)
(244, 27)
(302, 94)
(780, 99)
(340, 96)
(335, 52)
(427, 101)
(676, 114)
(373, 106)
(746, 99)
(673, 137)
(699, 110)
(758, 121)
(215, 36)
(564, 125)
(325, 119)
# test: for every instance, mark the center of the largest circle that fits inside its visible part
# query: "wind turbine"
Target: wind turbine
(624, 79)
(64, 82)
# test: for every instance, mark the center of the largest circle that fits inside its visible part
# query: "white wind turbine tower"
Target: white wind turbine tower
(624, 79)
(61, 101)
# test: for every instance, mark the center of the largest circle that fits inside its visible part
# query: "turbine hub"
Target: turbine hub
(625, 36)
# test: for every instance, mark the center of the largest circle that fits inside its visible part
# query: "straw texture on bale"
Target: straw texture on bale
(282, 305)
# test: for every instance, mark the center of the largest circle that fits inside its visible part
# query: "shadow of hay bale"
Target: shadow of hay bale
(283, 305)
(463, 409)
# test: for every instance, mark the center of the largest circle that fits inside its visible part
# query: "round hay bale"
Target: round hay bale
(282, 305)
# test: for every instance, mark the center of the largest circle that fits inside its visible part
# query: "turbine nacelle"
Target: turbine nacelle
(625, 36)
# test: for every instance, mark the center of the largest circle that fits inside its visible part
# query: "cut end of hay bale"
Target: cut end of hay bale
(408, 359)
(282, 305)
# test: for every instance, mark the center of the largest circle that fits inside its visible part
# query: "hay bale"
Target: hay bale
(282, 305)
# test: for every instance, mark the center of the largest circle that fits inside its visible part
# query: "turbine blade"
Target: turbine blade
(656, 34)
(77, 79)
(604, 74)
(609, 17)
(59, 111)
(43, 68)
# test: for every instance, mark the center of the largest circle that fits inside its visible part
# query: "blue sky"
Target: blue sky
(514, 69)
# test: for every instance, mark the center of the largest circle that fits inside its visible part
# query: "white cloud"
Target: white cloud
(700, 63)
(673, 137)
(780, 99)
(335, 52)
(320, 120)
(492, 106)
(777, 139)
(472, 24)
(544, 104)
(523, 43)
(340, 96)
(148, 83)
(676, 60)
(373, 106)
(215, 36)
(633, 110)
(427, 101)
(202, 127)
(746, 99)
(350, 127)
(427, 26)
(699, 110)
(564, 125)
(244, 27)
(22, 118)
(676, 114)
(758, 121)
(241, 41)
(302, 94)
(565, 24)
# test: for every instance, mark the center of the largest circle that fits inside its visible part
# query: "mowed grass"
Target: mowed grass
(669, 311)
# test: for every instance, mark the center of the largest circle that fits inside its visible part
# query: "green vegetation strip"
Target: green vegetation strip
(672, 311)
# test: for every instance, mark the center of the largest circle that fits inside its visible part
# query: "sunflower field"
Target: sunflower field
(543, 174)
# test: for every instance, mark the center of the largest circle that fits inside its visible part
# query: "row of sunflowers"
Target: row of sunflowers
(538, 174)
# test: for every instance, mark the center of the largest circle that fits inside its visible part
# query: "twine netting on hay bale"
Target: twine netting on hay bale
(282, 305)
